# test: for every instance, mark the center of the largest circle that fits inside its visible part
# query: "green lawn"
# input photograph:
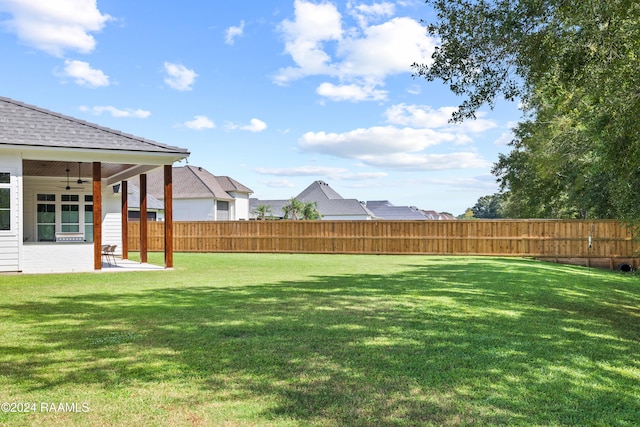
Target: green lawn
(327, 340)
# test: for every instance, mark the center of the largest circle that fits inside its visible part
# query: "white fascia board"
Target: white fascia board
(106, 156)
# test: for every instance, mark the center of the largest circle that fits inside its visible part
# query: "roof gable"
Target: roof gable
(230, 184)
(192, 182)
(317, 191)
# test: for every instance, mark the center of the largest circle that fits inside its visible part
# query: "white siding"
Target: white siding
(10, 240)
(112, 230)
(241, 204)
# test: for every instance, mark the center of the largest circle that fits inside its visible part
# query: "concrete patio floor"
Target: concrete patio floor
(122, 265)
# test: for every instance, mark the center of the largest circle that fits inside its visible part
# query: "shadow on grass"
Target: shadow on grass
(483, 342)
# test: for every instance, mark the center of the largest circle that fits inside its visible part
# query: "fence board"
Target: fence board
(534, 238)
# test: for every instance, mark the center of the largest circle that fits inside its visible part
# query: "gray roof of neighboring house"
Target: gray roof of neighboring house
(231, 185)
(192, 182)
(328, 202)
(318, 190)
(386, 210)
(338, 207)
(28, 125)
(275, 207)
(133, 198)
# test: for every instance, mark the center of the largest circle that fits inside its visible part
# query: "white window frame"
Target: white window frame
(81, 203)
(13, 189)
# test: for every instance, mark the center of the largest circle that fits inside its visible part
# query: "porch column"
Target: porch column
(124, 191)
(168, 216)
(97, 216)
(143, 219)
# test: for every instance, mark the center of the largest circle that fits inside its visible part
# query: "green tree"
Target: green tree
(573, 64)
(262, 211)
(293, 210)
(310, 211)
(488, 207)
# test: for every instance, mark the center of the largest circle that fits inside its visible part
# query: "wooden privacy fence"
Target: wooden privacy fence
(530, 238)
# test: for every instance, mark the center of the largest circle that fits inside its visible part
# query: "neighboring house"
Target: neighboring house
(201, 196)
(330, 204)
(383, 209)
(155, 207)
(57, 178)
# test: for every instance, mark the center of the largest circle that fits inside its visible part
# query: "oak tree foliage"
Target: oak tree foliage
(574, 66)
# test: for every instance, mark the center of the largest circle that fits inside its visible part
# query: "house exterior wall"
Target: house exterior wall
(10, 240)
(52, 257)
(57, 257)
(34, 186)
(194, 210)
(241, 206)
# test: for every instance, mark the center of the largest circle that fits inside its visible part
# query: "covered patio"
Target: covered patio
(62, 204)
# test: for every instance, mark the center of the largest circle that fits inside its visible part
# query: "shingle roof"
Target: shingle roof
(275, 207)
(318, 190)
(338, 207)
(328, 202)
(192, 182)
(384, 209)
(28, 125)
(133, 198)
(230, 184)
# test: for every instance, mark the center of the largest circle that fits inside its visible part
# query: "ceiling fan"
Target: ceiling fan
(80, 180)
(68, 186)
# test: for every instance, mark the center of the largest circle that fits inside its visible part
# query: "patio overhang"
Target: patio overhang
(42, 153)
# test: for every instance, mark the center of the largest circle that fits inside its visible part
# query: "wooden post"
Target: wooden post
(168, 216)
(97, 216)
(124, 192)
(144, 226)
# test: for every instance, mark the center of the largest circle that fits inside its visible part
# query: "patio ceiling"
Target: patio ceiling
(111, 172)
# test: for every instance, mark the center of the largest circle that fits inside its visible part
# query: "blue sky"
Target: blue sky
(275, 94)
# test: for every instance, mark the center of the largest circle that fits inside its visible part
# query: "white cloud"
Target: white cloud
(431, 162)
(255, 125)
(279, 183)
(199, 123)
(179, 77)
(55, 26)
(394, 148)
(350, 92)
(233, 32)
(314, 24)
(321, 171)
(426, 116)
(365, 12)
(362, 56)
(116, 112)
(84, 75)
(385, 49)
(378, 140)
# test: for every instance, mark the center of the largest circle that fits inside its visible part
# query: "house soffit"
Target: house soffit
(84, 170)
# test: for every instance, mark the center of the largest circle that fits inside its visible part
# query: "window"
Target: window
(63, 213)
(70, 213)
(5, 201)
(135, 216)
(88, 218)
(46, 217)
(223, 210)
